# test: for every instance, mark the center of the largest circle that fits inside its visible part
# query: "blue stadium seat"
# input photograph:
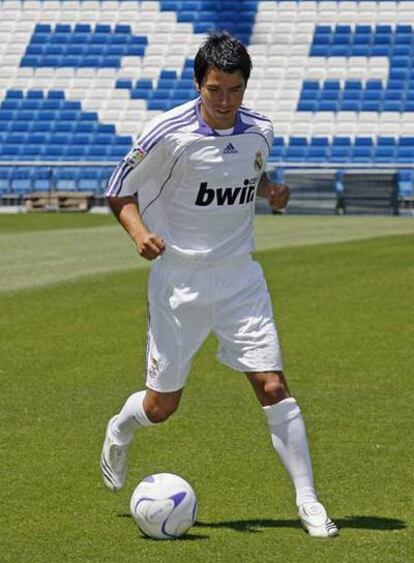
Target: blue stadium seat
(340, 153)
(364, 142)
(381, 51)
(99, 152)
(339, 51)
(41, 178)
(21, 180)
(101, 28)
(5, 173)
(277, 152)
(341, 141)
(123, 84)
(62, 28)
(160, 105)
(17, 125)
(362, 153)
(322, 39)
(89, 179)
(386, 141)
(406, 183)
(16, 138)
(295, 153)
(385, 153)
(370, 105)
(64, 178)
(307, 105)
(10, 104)
(53, 152)
(298, 142)
(75, 152)
(14, 94)
(327, 105)
(406, 142)
(373, 95)
(140, 94)
(10, 152)
(393, 106)
(42, 126)
(82, 139)
(317, 154)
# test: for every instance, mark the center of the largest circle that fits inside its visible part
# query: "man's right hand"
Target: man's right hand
(149, 245)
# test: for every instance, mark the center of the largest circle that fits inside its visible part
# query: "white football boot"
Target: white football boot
(316, 521)
(113, 461)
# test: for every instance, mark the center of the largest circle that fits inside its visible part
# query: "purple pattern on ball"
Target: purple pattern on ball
(141, 500)
(194, 511)
(178, 498)
(149, 479)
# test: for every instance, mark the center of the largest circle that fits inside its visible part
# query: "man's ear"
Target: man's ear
(196, 85)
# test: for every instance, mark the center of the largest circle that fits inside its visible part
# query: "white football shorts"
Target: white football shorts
(187, 302)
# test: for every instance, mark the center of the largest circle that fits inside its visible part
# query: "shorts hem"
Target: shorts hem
(249, 369)
(158, 390)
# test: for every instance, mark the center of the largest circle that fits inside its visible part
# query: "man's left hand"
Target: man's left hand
(277, 196)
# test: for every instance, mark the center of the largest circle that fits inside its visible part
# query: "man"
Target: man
(185, 194)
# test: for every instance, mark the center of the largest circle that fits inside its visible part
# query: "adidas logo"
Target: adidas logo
(230, 149)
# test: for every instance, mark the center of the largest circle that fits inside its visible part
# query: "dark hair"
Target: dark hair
(224, 52)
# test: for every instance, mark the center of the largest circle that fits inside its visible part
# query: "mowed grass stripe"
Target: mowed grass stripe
(72, 353)
(46, 257)
(49, 257)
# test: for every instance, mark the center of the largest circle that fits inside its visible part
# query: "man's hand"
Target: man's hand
(277, 196)
(149, 245)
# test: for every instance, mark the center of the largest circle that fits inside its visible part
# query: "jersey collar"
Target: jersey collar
(205, 129)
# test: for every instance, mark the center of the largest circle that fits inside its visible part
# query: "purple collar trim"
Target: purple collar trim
(205, 129)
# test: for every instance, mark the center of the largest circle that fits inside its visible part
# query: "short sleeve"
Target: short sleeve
(139, 168)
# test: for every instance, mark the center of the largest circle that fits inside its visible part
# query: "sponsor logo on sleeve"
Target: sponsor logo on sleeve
(135, 156)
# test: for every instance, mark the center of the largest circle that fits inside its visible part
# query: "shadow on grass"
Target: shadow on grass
(357, 522)
(257, 525)
(187, 537)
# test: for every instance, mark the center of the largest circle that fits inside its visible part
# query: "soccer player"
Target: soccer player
(185, 194)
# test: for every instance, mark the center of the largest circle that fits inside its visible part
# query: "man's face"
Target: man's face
(221, 96)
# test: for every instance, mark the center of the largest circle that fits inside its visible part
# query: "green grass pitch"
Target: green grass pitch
(73, 319)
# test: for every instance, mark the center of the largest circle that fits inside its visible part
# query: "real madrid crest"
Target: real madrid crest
(258, 161)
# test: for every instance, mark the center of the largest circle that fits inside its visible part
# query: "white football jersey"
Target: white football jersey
(196, 188)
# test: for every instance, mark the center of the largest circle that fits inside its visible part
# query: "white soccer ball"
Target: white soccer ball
(164, 506)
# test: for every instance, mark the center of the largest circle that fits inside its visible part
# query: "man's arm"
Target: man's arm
(276, 194)
(149, 245)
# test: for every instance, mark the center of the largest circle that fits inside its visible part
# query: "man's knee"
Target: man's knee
(276, 387)
(270, 387)
(160, 406)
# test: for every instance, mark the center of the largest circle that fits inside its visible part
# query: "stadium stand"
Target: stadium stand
(80, 78)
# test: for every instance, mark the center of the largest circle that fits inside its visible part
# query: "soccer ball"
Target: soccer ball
(164, 506)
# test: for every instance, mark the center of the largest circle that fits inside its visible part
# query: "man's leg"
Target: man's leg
(141, 409)
(287, 430)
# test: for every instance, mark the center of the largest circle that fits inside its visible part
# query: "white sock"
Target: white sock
(131, 417)
(288, 435)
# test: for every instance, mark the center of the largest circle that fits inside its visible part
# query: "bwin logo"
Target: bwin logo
(230, 149)
(226, 196)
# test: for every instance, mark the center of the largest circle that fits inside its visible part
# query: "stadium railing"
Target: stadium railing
(347, 188)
